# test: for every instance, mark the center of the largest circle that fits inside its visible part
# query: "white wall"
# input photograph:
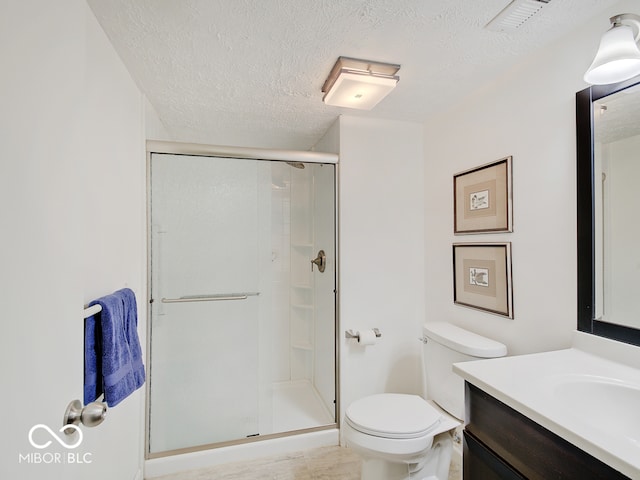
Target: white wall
(381, 231)
(72, 207)
(154, 128)
(330, 141)
(528, 112)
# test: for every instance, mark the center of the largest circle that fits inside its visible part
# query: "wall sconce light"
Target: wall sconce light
(618, 57)
(359, 84)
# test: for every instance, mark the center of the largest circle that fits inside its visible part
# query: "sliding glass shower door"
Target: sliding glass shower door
(242, 330)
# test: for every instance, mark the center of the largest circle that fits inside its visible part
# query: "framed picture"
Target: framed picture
(482, 199)
(482, 277)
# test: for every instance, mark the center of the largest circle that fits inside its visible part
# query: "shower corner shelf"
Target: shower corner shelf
(302, 306)
(302, 245)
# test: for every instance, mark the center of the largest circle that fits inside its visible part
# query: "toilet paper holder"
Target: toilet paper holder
(351, 334)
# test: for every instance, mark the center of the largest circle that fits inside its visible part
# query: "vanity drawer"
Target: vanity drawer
(528, 448)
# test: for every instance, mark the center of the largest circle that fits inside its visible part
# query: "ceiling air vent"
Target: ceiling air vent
(514, 15)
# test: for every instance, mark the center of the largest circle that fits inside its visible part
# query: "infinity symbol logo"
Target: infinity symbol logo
(56, 437)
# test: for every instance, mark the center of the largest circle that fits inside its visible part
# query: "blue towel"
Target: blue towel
(92, 360)
(113, 356)
(131, 331)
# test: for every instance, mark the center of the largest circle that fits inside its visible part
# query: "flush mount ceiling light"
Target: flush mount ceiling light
(359, 84)
(618, 57)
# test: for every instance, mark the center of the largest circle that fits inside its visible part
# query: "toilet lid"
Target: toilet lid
(392, 415)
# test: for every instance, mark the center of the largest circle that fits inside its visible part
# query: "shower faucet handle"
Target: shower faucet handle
(320, 261)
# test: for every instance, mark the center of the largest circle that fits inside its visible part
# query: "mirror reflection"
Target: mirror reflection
(616, 156)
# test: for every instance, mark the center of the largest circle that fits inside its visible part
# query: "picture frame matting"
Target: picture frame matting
(483, 199)
(482, 277)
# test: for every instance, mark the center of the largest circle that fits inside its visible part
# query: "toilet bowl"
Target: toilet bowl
(401, 436)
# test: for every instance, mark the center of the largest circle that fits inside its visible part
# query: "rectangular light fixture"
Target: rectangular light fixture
(360, 84)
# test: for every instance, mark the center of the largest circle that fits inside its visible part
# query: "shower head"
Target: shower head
(299, 165)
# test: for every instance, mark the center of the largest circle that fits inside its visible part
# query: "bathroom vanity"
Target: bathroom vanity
(501, 443)
(566, 414)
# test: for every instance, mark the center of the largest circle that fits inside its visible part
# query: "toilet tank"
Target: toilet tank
(444, 345)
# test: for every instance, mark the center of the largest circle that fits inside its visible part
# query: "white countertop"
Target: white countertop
(527, 383)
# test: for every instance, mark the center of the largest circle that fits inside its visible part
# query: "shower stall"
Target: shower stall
(242, 288)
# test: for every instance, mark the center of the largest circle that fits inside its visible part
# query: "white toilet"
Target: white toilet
(403, 436)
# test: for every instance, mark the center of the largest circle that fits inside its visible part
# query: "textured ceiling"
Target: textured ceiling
(620, 117)
(249, 72)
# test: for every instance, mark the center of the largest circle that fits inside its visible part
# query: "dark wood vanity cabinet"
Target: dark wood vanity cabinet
(500, 443)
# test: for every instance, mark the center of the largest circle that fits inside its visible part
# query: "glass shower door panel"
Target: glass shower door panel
(324, 285)
(204, 353)
(204, 381)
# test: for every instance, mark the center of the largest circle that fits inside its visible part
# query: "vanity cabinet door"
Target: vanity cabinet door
(480, 463)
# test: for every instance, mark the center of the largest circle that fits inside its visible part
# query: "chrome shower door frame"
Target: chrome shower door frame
(190, 149)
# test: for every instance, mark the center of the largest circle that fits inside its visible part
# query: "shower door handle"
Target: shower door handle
(320, 261)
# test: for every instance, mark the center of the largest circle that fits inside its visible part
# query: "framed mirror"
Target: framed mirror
(608, 210)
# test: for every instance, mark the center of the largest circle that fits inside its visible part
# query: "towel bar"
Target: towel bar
(92, 310)
(211, 298)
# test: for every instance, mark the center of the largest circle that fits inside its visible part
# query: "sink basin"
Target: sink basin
(607, 404)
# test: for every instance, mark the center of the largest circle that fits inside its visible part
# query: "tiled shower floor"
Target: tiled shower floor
(296, 405)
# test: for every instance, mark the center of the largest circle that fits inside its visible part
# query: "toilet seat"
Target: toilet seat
(393, 416)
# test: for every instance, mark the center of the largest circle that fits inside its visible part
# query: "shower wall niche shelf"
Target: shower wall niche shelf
(302, 295)
(303, 307)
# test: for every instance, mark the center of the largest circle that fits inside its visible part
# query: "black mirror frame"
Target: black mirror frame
(585, 214)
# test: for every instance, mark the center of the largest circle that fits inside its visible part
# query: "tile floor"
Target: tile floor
(327, 463)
